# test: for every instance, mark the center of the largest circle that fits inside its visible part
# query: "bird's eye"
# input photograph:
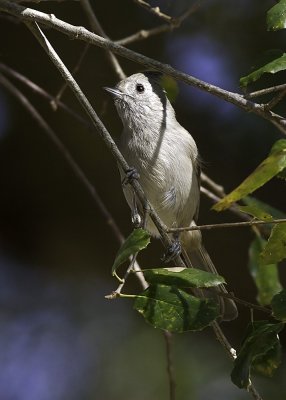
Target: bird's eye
(140, 88)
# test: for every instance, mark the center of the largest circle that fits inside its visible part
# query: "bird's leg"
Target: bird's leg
(135, 216)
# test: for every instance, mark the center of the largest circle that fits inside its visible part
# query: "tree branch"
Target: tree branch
(80, 33)
(99, 126)
(226, 225)
(170, 369)
(74, 167)
(263, 92)
(153, 10)
(146, 33)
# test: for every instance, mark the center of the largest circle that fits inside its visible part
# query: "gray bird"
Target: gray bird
(166, 158)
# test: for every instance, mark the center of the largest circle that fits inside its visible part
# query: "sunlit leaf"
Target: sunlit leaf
(276, 16)
(277, 65)
(282, 174)
(275, 248)
(138, 240)
(183, 277)
(173, 309)
(271, 166)
(255, 211)
(266, 277)
(267, 208)
(278, 305)
(260, 349)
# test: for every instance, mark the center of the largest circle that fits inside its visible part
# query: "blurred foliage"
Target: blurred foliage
(276, 16)
(278, 305)
(260, 349)
(266, 277)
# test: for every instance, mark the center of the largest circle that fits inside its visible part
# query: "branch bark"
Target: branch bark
(81, 33)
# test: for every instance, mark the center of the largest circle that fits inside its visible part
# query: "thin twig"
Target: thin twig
(40, 91)
(80, 33)
(74, 166)
(153, 10)
(116, 293)
(146, 33)
(218, 189)
(57, 98)
(226, 225)
(243, 302)
(233, 208)
(97, 28)
(191, 10)
(276, 99)
(263, 92)
(170, 368)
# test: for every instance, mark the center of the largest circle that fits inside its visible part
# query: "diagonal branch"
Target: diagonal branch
(28, 14)
(99, 126)
(115, 152)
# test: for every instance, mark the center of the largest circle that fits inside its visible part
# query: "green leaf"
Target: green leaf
(275, 249)
(268, 363)
(258, 349)
(265, 208)
(278, 305)
(274, 212)
(282, 174)
(256, 212)
(271, 166)
(277, 65)
(173, 309)
(183, 277)
(138, 240)
(276, 16)
(266, 277)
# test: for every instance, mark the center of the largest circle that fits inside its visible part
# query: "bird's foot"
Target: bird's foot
(131, 174)
(173, 251)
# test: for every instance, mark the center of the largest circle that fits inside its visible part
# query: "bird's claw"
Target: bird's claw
(173, 251)
(131, 174)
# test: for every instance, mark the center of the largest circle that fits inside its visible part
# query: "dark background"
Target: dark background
(60, 338)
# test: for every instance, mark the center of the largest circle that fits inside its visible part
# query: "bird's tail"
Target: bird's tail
(198, 257)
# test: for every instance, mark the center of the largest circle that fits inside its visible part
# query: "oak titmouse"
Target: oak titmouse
(166, 158)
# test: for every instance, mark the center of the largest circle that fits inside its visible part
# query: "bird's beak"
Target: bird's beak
(113, 91)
